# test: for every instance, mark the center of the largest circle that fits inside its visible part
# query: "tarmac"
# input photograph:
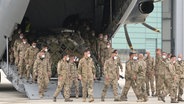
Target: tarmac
(8, 95)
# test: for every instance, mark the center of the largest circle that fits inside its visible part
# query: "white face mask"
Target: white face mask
(21, 37)
(43, 56)
(135, 58)
(108, 46)
(46, 50)
(146, 55)
(115, 57)
(34, 46)
(67, 59)
(179, 59)
(24, 42)
(163, 57)
(174, 62)
(89, 55)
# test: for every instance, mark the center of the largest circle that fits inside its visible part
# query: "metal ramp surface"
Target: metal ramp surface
(32, 91)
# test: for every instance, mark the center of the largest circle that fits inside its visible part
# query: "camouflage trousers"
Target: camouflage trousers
(180, 88)
(141, 88)
(114, 83)
(21, 67)
(87, 88)
(29, 69)
(160, 86)
(75, 82)
(150, 82)
(129, 83)
(171, 88)
(43, 81)
(16, 58)
(63, 83)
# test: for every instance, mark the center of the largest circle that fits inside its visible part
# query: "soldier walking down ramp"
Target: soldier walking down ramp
(63, 70)
(30, 56)
(42, 70)
(87, 72)
(111, 76)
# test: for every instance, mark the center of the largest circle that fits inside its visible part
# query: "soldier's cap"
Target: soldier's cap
(114, 51)
(132, 52)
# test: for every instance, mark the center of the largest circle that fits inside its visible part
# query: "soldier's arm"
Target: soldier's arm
(35, 68)
(59, 68)
(120, 65)
(27, 54)
(93, 67)
(106, 69)
(80, 69)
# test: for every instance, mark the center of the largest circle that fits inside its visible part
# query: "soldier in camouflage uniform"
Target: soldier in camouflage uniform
(15, 46)
(170, 78)
(42, 70)
(130, 76)
(149, 73)
(142, 97)
(180, 72)
(74, 76)
(64, 75)
(158, 68)
(30, 57)
(119, 61)
(21, 49)
(87, 72)
(111, 75)
(107, 52)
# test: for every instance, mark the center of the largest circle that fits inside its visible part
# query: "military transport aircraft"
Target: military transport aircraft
(106, 15)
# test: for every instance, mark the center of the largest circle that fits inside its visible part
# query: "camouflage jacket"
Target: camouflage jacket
(142, 69)
(86, 68)
(149, 64)
(179, 66)
(63, 69)
(41, 67)
(31, 53)
(131, 69)
(110, 68)
(73, 70)
(21, 49)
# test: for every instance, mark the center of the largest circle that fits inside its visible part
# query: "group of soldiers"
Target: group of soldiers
(166, 71)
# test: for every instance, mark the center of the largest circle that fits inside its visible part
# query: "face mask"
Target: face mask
(43, 56)
(146, 55)
(67, 59)
(46, 50)
(115, 57)
(108, 46)
(163, 57)
(24, 42)
(134, 58)
(89, 55)
(34, 46)
(21, 37)
(174, 62)
(179, 59)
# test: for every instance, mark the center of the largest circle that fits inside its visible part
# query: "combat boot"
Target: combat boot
(84, 100)
(140, 100)
(77, 96)
(68, 100)
(117, 98)
(180, 99)
(102, 98)
(145, 98)
(54, 99)
(123, 98)
(91, 99)
(174, 101)
(153, 94)
(162, 98)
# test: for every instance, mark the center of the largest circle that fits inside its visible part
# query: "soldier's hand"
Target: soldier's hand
(80, 77)
(134, 77)
(94, 77)
(60, 78)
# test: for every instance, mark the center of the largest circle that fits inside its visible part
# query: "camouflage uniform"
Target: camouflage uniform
(87, 71)
(130, 78)
(15, 46)
(107, 54)
(169, 80)
(180, 72)
(150, 75)
(158, 74)
(119, 63)
(21, 49)
(110, 72)
(74, 78)
(100, 49)
(141, 80)
(41, 69)
(30, 56)
(63, 69)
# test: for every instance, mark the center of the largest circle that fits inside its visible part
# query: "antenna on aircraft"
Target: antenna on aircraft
(150, 27)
